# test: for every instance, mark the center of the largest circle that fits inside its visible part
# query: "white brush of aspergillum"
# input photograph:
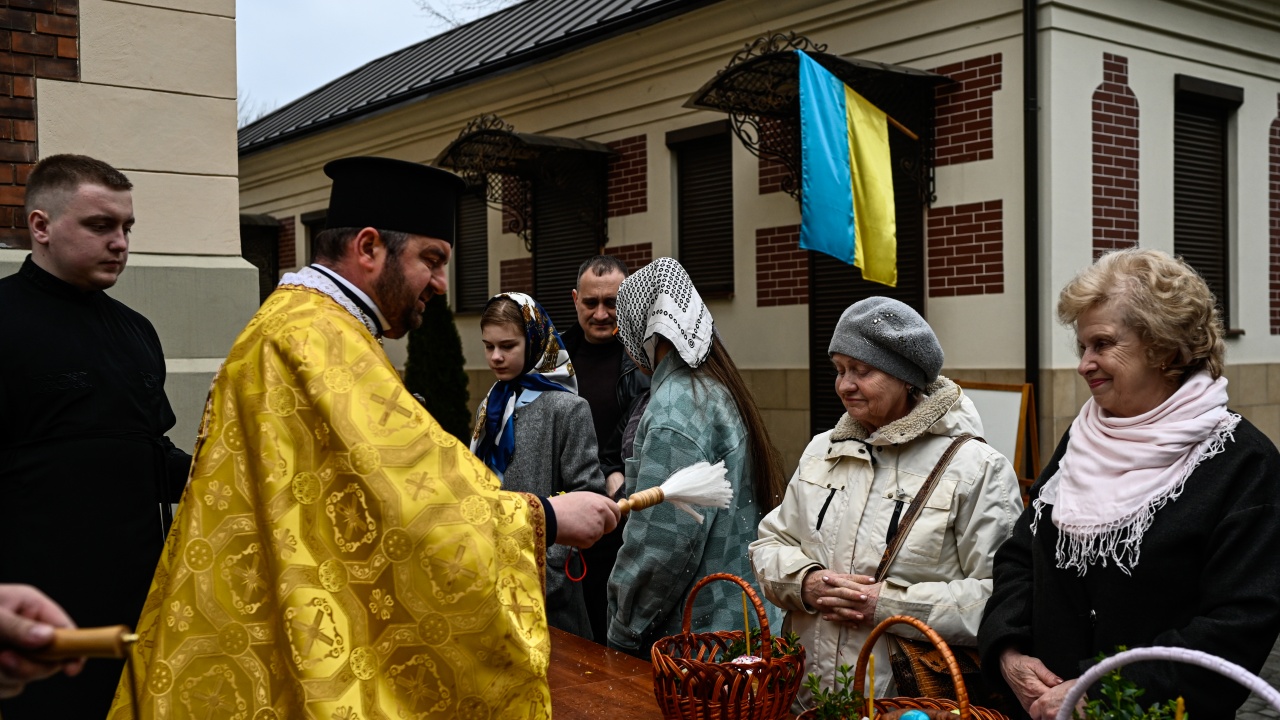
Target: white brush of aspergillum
(701, 484)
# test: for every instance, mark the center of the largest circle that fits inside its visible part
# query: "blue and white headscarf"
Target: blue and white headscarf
(546, 368)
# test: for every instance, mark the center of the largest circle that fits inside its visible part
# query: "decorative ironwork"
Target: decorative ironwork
(760, 91)
(487, 154)
(491, 154)
(774, 43)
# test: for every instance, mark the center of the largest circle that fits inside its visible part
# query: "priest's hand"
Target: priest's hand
(27, 620)
(583, 517)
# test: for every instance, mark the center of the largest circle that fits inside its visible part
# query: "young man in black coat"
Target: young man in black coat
(86, 471)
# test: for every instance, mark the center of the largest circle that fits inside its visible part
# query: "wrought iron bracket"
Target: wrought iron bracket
(759, 90)
(490, 154)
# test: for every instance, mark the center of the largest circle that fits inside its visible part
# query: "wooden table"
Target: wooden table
(590, 681)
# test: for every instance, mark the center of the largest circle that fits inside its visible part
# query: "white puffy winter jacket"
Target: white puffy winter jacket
(836, 515)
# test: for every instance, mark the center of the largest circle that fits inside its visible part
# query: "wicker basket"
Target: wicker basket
(690, 685)
(967, 711)
(1177, 654)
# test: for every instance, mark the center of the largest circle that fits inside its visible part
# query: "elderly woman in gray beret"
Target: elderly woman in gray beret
(821, 554)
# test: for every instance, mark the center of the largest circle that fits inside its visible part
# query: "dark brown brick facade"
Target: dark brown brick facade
(38, 39)
(1115, 159)
(964, 133)
(635, 256)
(286, 244)
(782, 268)
(772, 172)
(966, 249)
(1275, 220)
(629, 176)
(516, 275)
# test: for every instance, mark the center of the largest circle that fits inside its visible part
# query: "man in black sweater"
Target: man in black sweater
(86, 471)
(610, 383)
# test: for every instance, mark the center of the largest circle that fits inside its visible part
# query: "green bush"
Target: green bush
(434, 369)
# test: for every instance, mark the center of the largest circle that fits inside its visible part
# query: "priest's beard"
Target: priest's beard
(398, 302)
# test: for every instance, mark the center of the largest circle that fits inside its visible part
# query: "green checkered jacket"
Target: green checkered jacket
(664, 550)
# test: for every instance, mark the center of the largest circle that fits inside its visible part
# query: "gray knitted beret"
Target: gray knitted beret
(889, 336)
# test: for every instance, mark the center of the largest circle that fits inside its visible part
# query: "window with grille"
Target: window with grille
(1202, 175)
(704, 206)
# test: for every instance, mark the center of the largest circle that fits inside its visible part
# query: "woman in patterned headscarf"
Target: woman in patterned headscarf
(535, 432)
(699, 409)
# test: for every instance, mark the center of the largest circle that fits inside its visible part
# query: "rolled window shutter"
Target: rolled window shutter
(704, 216)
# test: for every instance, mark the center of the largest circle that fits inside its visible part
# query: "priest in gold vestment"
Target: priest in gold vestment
(337, 555)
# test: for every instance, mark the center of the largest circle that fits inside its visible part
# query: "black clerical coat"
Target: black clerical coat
(83, 456)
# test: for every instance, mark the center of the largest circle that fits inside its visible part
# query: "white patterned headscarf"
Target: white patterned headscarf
(660, 299)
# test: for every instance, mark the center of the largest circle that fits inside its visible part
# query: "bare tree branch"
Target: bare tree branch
(459, 12)
(248, 109)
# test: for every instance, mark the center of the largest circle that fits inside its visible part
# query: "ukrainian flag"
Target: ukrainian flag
(846, 206)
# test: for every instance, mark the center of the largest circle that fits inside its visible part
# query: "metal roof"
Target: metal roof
(520, 35)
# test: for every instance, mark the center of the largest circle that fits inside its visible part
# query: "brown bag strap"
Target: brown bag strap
(917, 503)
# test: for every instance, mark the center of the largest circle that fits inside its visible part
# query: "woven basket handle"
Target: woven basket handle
(1176, 654)
(860, 672)
(766, 646)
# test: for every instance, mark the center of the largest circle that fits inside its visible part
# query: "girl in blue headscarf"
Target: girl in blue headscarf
(535, 433)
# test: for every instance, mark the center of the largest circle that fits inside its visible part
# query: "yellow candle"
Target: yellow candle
(871, 689)
(746, 624)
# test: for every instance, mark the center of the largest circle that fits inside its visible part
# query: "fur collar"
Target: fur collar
(939, 397)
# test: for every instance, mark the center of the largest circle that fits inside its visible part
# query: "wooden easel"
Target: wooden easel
(1027, 432)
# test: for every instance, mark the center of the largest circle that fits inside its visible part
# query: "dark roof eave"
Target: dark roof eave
(533, 56)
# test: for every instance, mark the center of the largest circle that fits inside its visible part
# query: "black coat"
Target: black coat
(1208, 578)
(631, 384)
(84, 466)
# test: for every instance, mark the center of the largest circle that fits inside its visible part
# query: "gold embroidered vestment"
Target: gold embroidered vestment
(337, 555)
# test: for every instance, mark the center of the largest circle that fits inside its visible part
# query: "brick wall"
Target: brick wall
(629, 176)
(773, 173)
(38, 39)
(782, 268)
(1275, 221)
(635, 256)
(1115, 159)
(963, 132)
(966, 249)
(514, 192)
(516, 275)
(286, 247)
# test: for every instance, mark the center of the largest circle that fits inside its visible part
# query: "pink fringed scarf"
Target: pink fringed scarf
(1117, 472)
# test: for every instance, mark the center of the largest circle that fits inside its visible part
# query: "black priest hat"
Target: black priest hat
(396, 195)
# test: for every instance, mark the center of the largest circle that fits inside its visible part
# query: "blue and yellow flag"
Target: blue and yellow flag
(846, 206)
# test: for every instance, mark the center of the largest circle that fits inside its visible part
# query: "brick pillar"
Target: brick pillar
(286, 244)
(782, 268)
(38, 39)
(516, 275)
(964, 133)
(772, 174)
(633, 256)
(966, 249)
(628, 184)
(1275, 221)
(1115, 159)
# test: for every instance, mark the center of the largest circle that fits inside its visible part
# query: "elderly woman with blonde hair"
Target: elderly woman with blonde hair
(1155, 522)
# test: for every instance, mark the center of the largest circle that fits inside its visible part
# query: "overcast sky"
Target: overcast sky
(287, 48)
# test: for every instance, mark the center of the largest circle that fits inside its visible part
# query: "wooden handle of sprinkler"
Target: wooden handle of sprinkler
(101, 642)
(641, 500)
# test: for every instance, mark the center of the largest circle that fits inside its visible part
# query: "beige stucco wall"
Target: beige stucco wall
(156, 99)
(638, 83)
